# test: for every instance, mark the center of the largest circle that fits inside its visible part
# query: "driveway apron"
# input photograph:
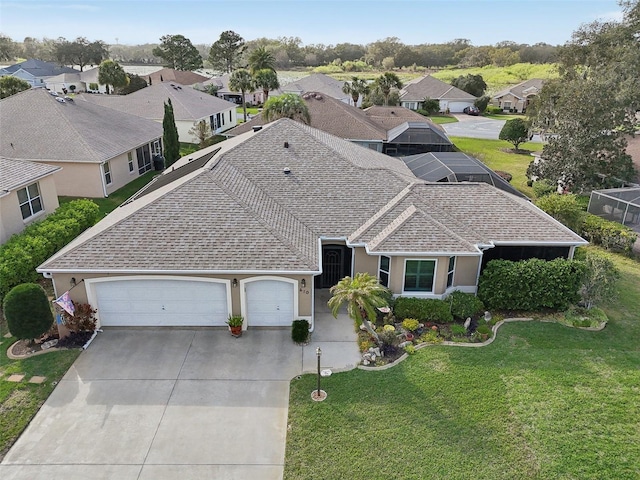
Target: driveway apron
(174, 403)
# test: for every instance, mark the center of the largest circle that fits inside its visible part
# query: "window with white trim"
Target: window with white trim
(419, 275)
(30, 200)
(383, 270)
(452, 267)
(130, 160)
(106, 170)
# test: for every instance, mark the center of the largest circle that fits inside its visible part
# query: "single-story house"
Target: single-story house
(82, 82)
(451, 98)
(517, 97)
(176, 76)
(27, 194)
(391, 130)
(255, 97)
(99, 148)
(190, 106)
(252, 227)
(35, 72)
(319, 83)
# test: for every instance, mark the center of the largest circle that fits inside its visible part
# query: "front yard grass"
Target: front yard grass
(542, 401)
(492, 153)
(19, 402)
(440, 119)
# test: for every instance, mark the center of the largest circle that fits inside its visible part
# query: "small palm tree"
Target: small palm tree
(362, 294)
(385, 83)
(357, 87)
(266, 79)
(241, 81)
(288, 105)
(261, 59)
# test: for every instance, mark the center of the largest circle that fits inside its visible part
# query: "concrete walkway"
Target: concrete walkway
(176, 403)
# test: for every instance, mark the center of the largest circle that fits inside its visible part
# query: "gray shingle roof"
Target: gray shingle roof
(178, 76)
(188, 104)
(16, 174)
(36, 126)
(242, 212)
(317, 82)
(39, 68)
(521, 89)
(428, 86)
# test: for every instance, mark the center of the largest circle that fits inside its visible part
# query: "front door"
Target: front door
(336, 264)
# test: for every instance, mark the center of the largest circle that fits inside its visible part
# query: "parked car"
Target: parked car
(471, 110)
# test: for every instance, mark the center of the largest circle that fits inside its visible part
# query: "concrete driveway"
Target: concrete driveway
(175, 403)
(474, 127)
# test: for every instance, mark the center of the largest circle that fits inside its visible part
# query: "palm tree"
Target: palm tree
(261, 59)
(288, 105)
(266, 79)
(111, 73)
(357, 87)
(362, 294)
(385, 83)
(241, 81)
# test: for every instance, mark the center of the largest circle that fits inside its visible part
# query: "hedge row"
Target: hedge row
(423, 309)
(24, 252)
(531, 284)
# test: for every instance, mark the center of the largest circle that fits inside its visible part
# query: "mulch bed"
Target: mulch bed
(27, 347)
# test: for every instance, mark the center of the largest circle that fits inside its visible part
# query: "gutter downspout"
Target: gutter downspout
(482, 249)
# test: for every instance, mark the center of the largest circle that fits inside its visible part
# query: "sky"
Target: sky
(484, 22)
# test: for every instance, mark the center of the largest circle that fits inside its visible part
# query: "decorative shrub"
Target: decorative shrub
(410, 349)
(531, 284)
(431, 336)
(458, 330)
(28, 311)
(82, 320)
(464, 305)
(300, 331)
(423, 309)
(389, 328)
(24, 252)
(93, 86)
(365, 345)
(544, 187)
(493, 110)
(611, 235)
(506, 176)
(564, 208)
(410, 324)
(485, 330)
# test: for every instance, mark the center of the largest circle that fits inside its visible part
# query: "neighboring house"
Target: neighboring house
(83, 81)
(223, 91)
(189, 107)
(451, 98)
(176, 76)
(35, 72)
(27, 194)
(100, 149)
(319, 83)
(517, 98)
(254, 226)
(391, 130)
(456, 167)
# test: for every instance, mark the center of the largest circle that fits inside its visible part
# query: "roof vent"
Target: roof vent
(318, 96)
(257, 128)
(68, 99)
(286, 170)
(286, 144)
(61, 100)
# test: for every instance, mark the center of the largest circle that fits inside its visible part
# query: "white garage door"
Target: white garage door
(458, 107)
(269, 303)
(161, 303)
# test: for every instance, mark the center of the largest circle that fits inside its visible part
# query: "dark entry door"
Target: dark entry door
(336, 264)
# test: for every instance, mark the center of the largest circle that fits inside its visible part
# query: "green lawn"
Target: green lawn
(110, 203)
(503, 116)
(19, 402)
(440, 119)
(492, 154)
(543, 401)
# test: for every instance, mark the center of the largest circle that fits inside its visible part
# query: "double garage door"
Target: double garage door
(171, 302)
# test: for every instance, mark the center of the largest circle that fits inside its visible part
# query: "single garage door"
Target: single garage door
(458, 107)
(161, 303)
(269, 303)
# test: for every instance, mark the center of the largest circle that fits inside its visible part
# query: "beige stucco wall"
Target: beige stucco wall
(515, 102)
(78, 179)
(120, 174)
(11, 221)
(466, 271)
(365, 263)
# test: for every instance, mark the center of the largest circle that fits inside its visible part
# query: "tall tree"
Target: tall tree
(10, 85)
(385, 83)
(515, 132)
(267, 80)
(242, 81)
(356, 88)
(134, 84)
(362, 294)
(178, 53)
(261, 59)
(473, 84)
(111, 73)
(8, 48)
(225, 53)
(170, 135)
(80, 52)
(288, 105)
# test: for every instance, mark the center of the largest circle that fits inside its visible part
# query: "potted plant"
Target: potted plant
(235, 324)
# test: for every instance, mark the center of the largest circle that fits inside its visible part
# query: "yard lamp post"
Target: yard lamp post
(318, 395)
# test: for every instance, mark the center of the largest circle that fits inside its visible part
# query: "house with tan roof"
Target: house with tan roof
(395, 131)
(190, 106)
(451, 98)
(221, 83)
(319, 83)
(27, 194)
(256, 225)
(99, 149)
(517, 98)
(176, 76)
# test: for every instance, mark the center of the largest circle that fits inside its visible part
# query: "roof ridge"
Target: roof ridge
(390, 204)
(448, 229)
(392, 227)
